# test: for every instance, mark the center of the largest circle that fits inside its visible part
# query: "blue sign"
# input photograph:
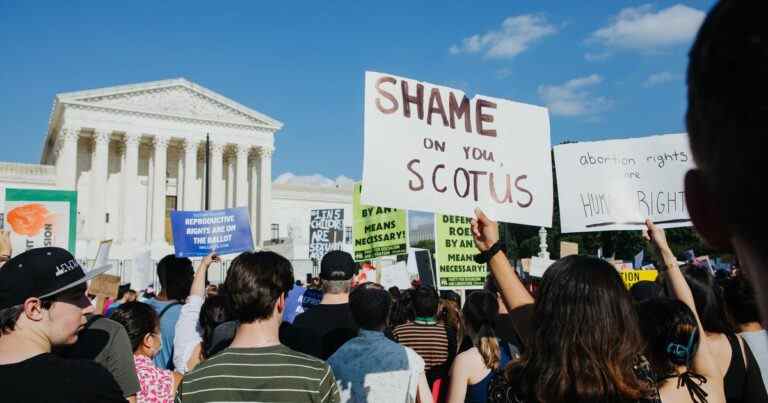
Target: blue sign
(198, 233)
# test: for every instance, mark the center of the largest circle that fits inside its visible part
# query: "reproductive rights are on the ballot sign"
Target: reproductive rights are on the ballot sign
(198, 233)
(617, 184)
(430, 148)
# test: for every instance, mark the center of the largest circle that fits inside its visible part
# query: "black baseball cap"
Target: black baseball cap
(337, 265)
(41, 273)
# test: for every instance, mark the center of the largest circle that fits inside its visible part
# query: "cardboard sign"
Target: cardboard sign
(430, 148)
(38, 218)
(630, 277)
(377, 231)
(568, 249)
(395, 275)
(617, 184)
(326, 232)
(104, 285)
(455, 252)
(198, 233)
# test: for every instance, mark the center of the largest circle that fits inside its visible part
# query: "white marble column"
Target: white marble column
(190, 174)
(241, 188)
(265, 193)
(131, 204)
(254, 197)
(158, 191)
(230, 178)
(97, 185)
(217, 176)
(66, 160)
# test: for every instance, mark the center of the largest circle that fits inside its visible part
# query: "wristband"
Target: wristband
(484, 257)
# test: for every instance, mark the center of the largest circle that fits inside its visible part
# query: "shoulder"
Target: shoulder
(87, 371)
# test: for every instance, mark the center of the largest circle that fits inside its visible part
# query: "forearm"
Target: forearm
(513, 292)
(198, 282)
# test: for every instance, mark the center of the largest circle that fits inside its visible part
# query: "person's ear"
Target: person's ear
(706, 211)
(148, 342)
(280, 304)
(33, 309)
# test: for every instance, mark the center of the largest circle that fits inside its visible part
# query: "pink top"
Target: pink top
(156, 383)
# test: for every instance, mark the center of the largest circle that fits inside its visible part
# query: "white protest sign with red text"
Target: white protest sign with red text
(430, 148)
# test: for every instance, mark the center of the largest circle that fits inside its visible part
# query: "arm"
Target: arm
(513, 292)
(5, 247)
(198, 283)
(703, 361)
(423, 394)
(457, 391)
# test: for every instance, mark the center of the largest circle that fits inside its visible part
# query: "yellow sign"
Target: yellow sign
(631, 277)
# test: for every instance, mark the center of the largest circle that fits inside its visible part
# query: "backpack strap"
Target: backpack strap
(167, 307)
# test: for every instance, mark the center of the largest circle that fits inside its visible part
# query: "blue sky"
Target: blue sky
(606, 70)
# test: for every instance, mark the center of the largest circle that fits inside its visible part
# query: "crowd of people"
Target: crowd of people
(582, 336)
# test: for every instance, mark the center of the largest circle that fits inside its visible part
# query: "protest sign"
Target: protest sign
(141, 270)
(102, 254)
(310, 298)
(455, 252)
(377, 231)
(395, 275)
(630, 277)
(326, 232)
(198, 233)
(104, 285)
(568, 249)
(539, 266)
(38, 218)
(430, 148)
(420, 260)
(617, 184)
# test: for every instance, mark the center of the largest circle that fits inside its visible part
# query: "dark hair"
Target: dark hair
(491, 285)
(394, 292)
(8, 318)
(370, 306)
(175, 276)
(670, 331)
(138, 319)
(480, 313)
(402, 309)
(215, 311)
(727, 108)
(645, 290)
(451, 295)
(585, 337)
(708, 296)
(425, 302)
(254, 283)
(740, 297)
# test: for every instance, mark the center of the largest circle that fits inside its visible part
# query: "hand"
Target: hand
(484, 230)
(5, 243)
(206, 262)
(656, 236)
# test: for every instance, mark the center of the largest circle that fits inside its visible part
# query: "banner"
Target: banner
(198, 233)
(38, 218)
(631, 277)
(454, 252)
(377, 231)
(430, 148)
(617, 184)
(326, 232)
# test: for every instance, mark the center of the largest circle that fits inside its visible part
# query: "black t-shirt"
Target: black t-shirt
(49, 378)
(323, 329)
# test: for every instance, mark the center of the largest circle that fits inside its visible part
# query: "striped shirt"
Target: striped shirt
(429, 341)
(267, 374)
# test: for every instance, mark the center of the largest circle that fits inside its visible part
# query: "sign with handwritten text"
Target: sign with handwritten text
(430, 148)
(198, 233)
(326, 232)
(617, 184)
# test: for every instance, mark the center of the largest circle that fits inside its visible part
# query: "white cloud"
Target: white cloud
(643, 28)
(660, 78)
(597, 57)
(504, 73)
(289, 178)
(515, 35)
(573, 98)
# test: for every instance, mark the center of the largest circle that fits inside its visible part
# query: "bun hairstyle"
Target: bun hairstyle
(671, 334)
(138, 319)
(480, 312)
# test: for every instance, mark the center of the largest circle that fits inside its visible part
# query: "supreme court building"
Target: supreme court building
(136, 152)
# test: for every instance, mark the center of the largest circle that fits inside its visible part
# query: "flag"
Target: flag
(639, 259)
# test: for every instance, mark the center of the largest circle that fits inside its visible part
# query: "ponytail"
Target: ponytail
(488, 345)
(480, 311)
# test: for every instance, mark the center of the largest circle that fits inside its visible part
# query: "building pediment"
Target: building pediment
(178, 98)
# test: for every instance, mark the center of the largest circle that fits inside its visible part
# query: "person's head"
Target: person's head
(394, 292)
(130, 296)
(175, 275)
(215, 311)
(670, 331)
(645, 290)
(142, 323)
(42, 292)
(425, 302)
(586, 338)
(336, 270)
(402, 310)
(480, 312)
(726, 121)
(256, 285)
(370, 305)
(450, 295)
(708, 296)
(740, 298)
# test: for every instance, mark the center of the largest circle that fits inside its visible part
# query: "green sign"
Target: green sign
(38, 218)
(378, 231)
(454, 252)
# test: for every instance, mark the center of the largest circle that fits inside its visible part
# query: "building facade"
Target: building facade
(134, 153)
